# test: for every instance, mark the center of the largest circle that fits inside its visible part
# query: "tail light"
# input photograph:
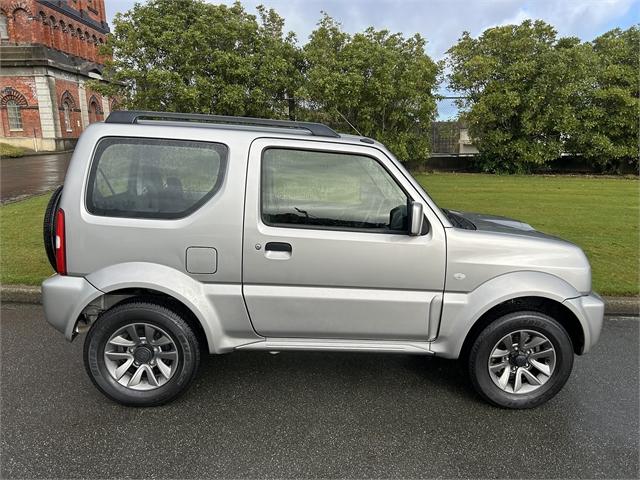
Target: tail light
(60, 246)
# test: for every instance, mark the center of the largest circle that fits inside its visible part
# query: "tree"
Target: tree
(530, 96)
(192, 56)
(377, 83)
(512, 82)
(608, 121)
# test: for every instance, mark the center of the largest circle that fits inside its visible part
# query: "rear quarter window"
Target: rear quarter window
(153, 178)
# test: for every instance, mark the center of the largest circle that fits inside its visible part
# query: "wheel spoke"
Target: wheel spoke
(163, 340)
(122, 369)
(171, 355)
(499, 366)
(165, 369)
(542, 367)
(149, 333)
(118, 355)
(504, 378)
(133, 333)
(530, 377)
(497, 353)
(535, 342)
(542, 354)
(151, 377)
(136, 377)
(121, 341)
(518, 380)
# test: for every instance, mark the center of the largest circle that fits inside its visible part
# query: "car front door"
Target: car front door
(326, 249)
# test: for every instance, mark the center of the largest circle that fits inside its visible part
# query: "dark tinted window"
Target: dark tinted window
(334, 190)
(153, 178)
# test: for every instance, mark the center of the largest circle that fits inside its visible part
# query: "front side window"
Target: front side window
(15, 115)
(154, 178)
(311, 189)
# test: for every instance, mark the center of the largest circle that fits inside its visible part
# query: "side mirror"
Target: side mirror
(416, 219)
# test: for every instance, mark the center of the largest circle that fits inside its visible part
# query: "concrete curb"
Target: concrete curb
(29, 294)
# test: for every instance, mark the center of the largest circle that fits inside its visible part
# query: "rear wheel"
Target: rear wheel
(141, 354)
(521, 360)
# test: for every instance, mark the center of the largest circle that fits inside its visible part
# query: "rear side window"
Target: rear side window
(153, 178)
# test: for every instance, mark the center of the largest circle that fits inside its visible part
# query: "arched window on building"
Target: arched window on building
(95, 112)
(66, 111)
(15, 115)
(4, 27)
(67, 107)
(12, 101)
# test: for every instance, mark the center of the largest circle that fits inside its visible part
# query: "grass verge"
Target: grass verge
(9, 151)
(601, 214)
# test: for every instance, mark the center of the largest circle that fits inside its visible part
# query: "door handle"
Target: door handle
(278, 247)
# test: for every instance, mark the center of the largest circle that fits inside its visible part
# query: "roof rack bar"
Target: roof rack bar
(133, 116)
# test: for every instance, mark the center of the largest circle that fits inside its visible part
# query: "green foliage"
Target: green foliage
(192, 56)
(532, 96)
(9, 151)
(376, 82)
(607, 122)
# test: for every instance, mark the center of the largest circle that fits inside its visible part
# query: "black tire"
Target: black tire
(49, 226)
(159, 316)
(478, 360)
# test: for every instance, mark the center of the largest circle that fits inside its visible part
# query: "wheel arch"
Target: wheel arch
(464, 315)
(204, 305)
(556, 310)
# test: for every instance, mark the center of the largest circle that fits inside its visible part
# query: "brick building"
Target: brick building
(48, 51)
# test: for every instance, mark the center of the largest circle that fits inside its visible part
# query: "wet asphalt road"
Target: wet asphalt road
(252, 414)
(31, 175)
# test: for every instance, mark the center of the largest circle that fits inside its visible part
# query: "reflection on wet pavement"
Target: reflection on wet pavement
(31, 175)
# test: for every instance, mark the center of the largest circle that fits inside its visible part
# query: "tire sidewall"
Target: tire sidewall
(120, 316)
(484, 344)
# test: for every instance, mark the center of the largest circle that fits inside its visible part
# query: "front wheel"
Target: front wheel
(521, 360)
(141, 354)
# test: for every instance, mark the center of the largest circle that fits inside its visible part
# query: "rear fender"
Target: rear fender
(218, 307)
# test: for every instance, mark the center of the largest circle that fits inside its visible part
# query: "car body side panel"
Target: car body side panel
(475, 256)
(219, 307)
(339, 283)
(95, 242)
(461, 310)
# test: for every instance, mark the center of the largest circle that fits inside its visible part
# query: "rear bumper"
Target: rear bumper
(63, 299)
(590, 312)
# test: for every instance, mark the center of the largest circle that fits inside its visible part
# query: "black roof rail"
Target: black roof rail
(132, 116)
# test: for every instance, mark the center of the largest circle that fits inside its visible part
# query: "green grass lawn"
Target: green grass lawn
(599, 214)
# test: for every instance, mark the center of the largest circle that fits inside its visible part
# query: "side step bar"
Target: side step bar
(381, 346)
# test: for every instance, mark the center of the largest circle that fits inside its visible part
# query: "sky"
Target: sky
(442, 22)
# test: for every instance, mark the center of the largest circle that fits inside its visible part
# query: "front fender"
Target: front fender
(218, 307)
(461, 311)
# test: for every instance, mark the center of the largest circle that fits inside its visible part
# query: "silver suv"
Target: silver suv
(179, 234)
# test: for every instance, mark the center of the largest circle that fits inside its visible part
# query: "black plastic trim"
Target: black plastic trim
(278, 247)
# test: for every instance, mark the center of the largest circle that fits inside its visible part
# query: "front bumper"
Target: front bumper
(590, 312)
(63, 299)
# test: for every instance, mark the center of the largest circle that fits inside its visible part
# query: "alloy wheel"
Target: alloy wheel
(141, 356)
(522, 361)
